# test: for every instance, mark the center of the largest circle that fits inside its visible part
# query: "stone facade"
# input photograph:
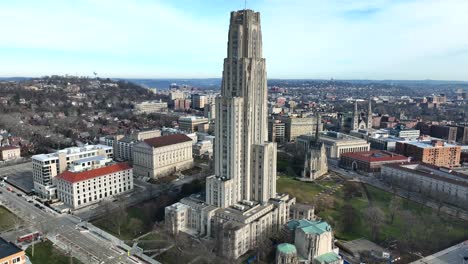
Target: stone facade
(313, 241)
(10, 153)
(338, 143)
(439, 183)
(82, 188)
(162, 156)
(241, 206)
(315, 163)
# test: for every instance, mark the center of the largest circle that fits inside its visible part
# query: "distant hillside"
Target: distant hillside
(212, 83)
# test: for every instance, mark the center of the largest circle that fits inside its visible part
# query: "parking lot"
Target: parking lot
(19, 175)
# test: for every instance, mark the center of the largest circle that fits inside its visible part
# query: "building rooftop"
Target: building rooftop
(375, 156)
(309, 227)
(336, 136)
(330, 257)
(74, 177)
(163, 141)
(71, 150)
(192, 118)
(127, 140)
(7, 248)
(429, 143)
(434, 172)
(454, 254)
(8, 148)
(287, 248)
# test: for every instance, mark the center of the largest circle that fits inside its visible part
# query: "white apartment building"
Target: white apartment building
(47, 166)
(82, 188)
(149, 107)
(123, 149)
(203, 148)
(162, 156)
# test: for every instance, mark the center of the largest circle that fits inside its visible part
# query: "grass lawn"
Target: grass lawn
(46, 253)
(174, 256)
(129, 230)
(153, 241)
(427, 224)
(303, 191)
(7, 219)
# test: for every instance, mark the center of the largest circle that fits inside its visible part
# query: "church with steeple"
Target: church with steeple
(362, 120)
(315, 162)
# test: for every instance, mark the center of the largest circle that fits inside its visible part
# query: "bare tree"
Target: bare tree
(117, 216)
(136, 224)
(374, 217)
(120, 216)
(394, 207)
(349, 218)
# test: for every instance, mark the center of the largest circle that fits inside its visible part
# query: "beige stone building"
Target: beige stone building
(80, 188)
(10, 153)
(190, 124)
(241, 206)
(145, 134)
(437, 182)
(313, 243)
(162, 156)
(296, 126)
(339, 143)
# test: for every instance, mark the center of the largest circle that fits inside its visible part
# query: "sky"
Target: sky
(309, 39)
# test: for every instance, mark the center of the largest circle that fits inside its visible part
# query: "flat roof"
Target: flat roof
(71, 150)
(375, 156)
(337, 137)
(418, 170)
(7, 248)
(427, 144)
(454, 254)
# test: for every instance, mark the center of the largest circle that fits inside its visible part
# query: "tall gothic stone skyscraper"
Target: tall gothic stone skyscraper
(241, 207)
(245, 164)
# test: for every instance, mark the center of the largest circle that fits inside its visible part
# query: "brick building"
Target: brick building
(369, 161)
(435, 152)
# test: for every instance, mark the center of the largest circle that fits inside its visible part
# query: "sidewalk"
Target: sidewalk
(117, 242)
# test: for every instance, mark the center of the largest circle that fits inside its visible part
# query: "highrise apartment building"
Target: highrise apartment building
(241, 206)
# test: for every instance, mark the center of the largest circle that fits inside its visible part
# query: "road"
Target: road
(61, 229)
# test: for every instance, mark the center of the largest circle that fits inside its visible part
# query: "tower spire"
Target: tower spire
(369, 114)
(355, 117)
(317, 127)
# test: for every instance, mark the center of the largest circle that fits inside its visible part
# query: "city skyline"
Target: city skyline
(185, 39)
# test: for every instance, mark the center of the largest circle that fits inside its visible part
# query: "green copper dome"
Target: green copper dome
(287, 248)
